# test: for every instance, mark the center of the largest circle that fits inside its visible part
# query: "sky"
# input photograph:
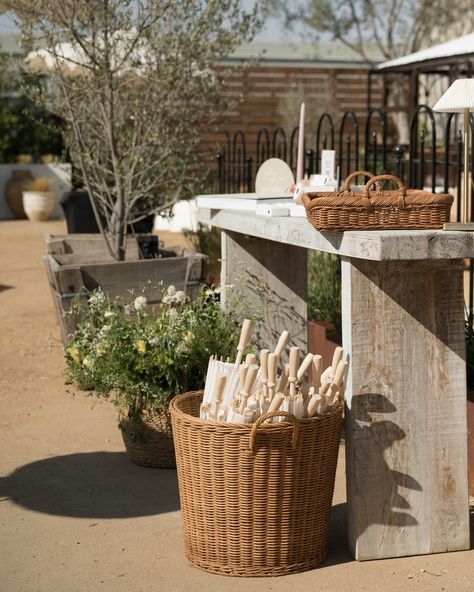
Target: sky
(273, 30)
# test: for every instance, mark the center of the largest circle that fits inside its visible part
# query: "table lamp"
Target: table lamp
(459, 98)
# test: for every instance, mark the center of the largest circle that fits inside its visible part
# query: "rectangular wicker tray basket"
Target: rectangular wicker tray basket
(377, 209)
(255, 498)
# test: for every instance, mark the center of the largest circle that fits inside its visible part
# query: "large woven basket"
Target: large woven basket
(255, 498)
(149, 441)
(377, 209)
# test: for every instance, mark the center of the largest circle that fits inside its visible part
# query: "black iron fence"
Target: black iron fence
(432, 158)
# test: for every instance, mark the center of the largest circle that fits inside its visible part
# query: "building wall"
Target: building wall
(273, 94)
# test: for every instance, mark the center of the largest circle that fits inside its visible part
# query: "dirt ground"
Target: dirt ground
(76, 515)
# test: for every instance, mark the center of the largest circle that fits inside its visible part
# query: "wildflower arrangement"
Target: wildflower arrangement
(141, 358)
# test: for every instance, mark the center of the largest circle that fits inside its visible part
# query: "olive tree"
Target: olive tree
(135, 85)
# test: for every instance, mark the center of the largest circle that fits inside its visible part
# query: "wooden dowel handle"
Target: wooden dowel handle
(317, 367)
(340, 372)
(250, 378)
(313, 405)
(264, 364)
(244, 339)
(305, 364)
(243, 369)
(284, 379)
(250, 359)
(337, 357)
(276, 403)
(272, 370)
(280, 346)
(219, 388)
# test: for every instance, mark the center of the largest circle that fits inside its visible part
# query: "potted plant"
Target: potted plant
(136, 88)
(125, 353)
(324, 304)
(38, 199)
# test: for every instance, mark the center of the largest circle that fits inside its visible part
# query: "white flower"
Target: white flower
(96, 298)
(104, 330)
(140, 303)
(171, 290)
(180, 297)
(108, 314)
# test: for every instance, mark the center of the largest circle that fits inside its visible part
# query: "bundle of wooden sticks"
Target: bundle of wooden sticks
(241, 392)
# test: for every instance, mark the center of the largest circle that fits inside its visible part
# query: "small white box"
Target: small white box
(272, 210)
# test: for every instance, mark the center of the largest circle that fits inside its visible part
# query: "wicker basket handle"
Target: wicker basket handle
(402, 190)
(354, 175)
(264, 417)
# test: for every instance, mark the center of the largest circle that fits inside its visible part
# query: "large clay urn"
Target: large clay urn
(14, 191)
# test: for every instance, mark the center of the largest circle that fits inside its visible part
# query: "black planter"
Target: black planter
(78, 212)
(80, 217)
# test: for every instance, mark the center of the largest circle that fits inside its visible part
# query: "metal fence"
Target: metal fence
(433, 158)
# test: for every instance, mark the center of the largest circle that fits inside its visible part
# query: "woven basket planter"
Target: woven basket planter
(150, 442)
(255, 498)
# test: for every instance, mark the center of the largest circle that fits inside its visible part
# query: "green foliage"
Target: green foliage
(207, 240)
(24, 127)
(139, 360)
(137, 90)
(324, 288)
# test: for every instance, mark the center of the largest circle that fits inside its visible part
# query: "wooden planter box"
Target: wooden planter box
(77, 264)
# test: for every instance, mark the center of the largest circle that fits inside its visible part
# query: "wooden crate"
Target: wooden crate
(77, 264)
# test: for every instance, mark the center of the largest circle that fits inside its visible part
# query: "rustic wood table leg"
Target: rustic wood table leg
(406, 450)
(270, 279)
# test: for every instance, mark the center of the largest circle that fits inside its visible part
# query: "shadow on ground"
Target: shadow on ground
(337, 543)
(92, 485)
(4, 287)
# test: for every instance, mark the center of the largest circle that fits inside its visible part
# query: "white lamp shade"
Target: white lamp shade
(459, 96)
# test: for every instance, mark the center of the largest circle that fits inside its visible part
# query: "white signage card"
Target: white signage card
(328, 163)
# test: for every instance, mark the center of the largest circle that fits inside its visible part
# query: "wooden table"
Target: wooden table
(403, 329)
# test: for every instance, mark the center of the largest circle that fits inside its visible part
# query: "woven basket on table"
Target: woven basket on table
(149, 440)
(255, 498)
(379, 209)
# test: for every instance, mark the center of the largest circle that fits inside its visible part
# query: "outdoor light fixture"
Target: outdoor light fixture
(459, 98)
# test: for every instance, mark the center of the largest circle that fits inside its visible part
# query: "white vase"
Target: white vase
(38, 205)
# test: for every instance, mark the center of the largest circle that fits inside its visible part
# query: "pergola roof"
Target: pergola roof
(444, 53)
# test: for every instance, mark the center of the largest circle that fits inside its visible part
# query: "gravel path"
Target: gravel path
(76, 515)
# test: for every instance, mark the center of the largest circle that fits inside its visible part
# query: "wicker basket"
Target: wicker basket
(255, 498)
(377, 209)
(150, 442)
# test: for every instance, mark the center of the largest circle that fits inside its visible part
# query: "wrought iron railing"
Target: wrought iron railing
(433, 157)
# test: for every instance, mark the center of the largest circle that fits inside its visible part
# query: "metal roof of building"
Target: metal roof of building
(455, 48)
(309, 52)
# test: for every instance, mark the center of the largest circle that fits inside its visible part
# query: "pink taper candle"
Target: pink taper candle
(300, 163)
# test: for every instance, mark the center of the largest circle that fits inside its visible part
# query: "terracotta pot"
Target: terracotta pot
(323, 340)
(38, 205)
(14, 191)
(149, 441)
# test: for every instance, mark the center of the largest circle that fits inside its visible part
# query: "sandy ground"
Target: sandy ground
(76, 515)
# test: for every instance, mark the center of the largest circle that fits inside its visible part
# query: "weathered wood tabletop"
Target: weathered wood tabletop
(403, 330)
